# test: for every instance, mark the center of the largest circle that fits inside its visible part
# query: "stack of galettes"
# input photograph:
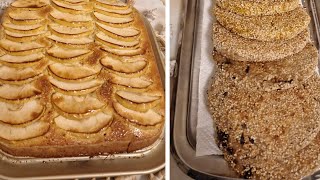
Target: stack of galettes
(78, 77)
(265, 95)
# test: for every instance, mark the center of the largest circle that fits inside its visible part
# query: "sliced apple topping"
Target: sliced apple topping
(18, 92)
(22, 35)
(2, 52)
(137, 97)
(124, 32)
(17, 46)
(70, 86)
(63, 53)
(11, 75)
(24, 15)
(89, 125)
(123, 52)
(139, 82)
(22, 59)
(72, 6)
(117, 42)
(113, 20)
(70, 30)
(20, 113)
(73, 71)
(22, 132)
(30, 3)
(113, 4)
(148, 118)
(77, 104)
(125, 67)
(70, 17)
(75, 41)
(140, 107)
(10, 25)
(77, 1)
(102, 9)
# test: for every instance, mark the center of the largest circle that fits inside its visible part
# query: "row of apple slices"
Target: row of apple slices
(23, 25)
(79, 109)
(137, 107)
(113, 13)
(23, 59)
(84, 6)
(22, 115)
(81, 114)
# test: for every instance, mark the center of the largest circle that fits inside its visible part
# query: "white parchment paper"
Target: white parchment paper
(206, 144)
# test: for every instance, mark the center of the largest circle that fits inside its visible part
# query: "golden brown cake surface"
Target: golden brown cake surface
(77, 78)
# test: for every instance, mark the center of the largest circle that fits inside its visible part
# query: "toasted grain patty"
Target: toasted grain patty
(265, 28)
(238, 48)
(267, 76)
(295, 167)
(255, 8)
(272, 124)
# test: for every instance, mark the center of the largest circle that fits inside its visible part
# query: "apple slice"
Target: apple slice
(89, 125)
(15, 75)
(70, 17)
(68, 86)
(102, 10)
(113, 20)
(149, 118)
(137, 97)
(2, 52)
(21, 16)
(124, 52)
(70, 30)
(30, 3)
(20, 113)
(17, 46)
(77, 1)
(64, 53)
(22, 35)
(113, 4)
(117, 42)
(140, 107)
(124, 32)
(76, 107)
(22, 132)
(125, 67)
(73, 72)
(10, 25)
(74, 41)
(136, 82)
(21, 59)
(18, 92)
(75, 7)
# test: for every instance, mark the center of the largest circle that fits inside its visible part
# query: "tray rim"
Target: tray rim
(157, 148)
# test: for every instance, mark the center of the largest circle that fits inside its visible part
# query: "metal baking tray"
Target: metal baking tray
(184, 102)
(148, 160)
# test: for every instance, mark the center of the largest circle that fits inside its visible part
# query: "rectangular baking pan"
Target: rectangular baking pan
(184, 104)
(145, 161)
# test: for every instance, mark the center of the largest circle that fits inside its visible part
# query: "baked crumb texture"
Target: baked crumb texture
(264, 96)
(77, 77)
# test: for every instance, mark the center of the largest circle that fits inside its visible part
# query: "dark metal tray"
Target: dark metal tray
(145, 161)
(185, 98)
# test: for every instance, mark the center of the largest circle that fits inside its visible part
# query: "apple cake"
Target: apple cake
(78, 77)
